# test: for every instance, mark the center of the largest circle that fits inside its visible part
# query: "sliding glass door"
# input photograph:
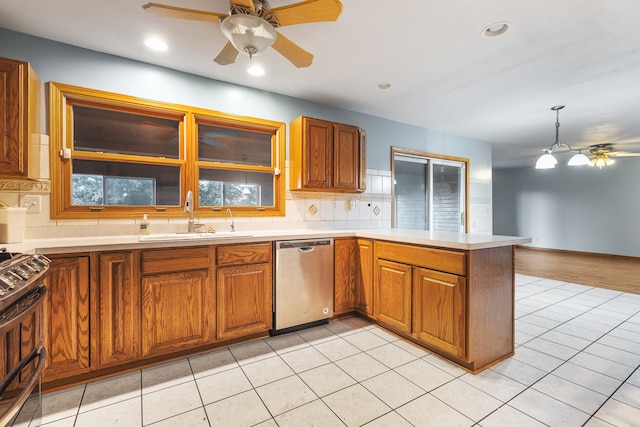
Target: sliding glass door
(429, 193)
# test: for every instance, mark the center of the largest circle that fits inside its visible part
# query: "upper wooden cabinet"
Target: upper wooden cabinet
(19, 121)
(327, 156)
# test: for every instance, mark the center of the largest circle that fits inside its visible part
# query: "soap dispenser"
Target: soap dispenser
(144, 225)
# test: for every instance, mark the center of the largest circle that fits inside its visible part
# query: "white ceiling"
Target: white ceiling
(584, 54)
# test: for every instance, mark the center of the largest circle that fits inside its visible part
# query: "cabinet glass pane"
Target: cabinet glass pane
(119, 132)
(235, 188)
(236, 146)
(98, 183)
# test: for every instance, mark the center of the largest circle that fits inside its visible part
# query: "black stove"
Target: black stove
(19, 275)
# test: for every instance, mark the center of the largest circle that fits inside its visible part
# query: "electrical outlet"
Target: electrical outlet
(32, 203)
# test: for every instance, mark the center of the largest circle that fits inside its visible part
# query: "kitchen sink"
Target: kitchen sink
(169, 237)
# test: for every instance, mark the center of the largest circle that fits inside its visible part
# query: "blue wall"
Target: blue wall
(580, 209)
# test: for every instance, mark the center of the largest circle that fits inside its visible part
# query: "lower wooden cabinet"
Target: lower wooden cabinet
(364, 277)
(66, 317)
(244, 300)
(392, 299)
(118, 305)
(439, 305)
(178, 312)
(345, 268)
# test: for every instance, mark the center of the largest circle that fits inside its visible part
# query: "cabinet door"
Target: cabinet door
(345, 275)
(178, 312)
(20, 118)
(244, 300)
(346, 154)
(362, 161)
(119, 308)
(393, 294)
(317, 143)
(66, 318)
(364, 277)
(439, 310)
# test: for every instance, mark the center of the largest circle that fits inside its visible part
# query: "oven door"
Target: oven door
(24, 359)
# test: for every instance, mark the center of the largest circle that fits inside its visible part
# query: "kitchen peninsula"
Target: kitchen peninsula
(117, 303)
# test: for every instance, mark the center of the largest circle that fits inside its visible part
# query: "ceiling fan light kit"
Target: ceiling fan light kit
(249, 34)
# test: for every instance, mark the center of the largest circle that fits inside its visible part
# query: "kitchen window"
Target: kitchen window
(116, 156)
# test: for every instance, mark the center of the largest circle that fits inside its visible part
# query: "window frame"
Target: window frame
(431, 157)
(62, 97)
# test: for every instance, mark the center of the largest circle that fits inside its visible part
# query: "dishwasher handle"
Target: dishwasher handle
(307, 245)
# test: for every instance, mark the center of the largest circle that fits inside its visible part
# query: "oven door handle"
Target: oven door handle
(11, 411)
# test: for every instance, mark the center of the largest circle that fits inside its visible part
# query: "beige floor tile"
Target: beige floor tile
(111, 390)
(212, 362)
(222, 385)
(570, 393)
(166, 375)
(126, 413)
(356, 405)
(61, 404)
(317, 335)
(242, 410)
(337, 349)
(547, 409)
(326, 379)
(252, 352)
(315, 413)
(365, 340)
(286, 343)
(194, 418)
(424, 374)
(506, 416)
(169, 402)
(361, 366)
(393, 389)
(285, 395)
(427, 411)
(267, 370)
(619, 414)
(495, 384)
(466, 399)
(392, 355)
(392, 419)
(304, 359)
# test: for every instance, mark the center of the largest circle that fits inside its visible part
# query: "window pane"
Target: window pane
(411, 194)
(235, 188)
(125, 184)
(236, 146)
(446, 197)
(109, 131)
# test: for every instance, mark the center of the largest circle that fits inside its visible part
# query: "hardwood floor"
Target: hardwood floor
(604, 271)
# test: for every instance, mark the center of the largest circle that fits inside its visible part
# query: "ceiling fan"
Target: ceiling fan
(250, 26)
(602, 154)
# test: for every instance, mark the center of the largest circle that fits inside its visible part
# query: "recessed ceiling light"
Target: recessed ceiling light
(155, 44)
(384, 86)
(495, 30)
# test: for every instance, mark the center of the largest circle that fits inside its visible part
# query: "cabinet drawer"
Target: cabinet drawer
(176, 259)
(420, 256)
(243, 254)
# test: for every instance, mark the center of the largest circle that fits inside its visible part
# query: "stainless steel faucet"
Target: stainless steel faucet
(233, 226)
(188, 207)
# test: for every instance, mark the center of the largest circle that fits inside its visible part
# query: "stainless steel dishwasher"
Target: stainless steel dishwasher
(303, 291)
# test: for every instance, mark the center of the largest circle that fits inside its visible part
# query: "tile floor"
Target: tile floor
(576, 363)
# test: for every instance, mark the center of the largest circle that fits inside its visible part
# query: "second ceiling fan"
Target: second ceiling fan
(254, 20)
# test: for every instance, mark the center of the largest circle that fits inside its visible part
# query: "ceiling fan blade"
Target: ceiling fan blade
(294, 53)
(165, 11)
(307, 11)
(245, 3)
(623, 154)
(227, 55)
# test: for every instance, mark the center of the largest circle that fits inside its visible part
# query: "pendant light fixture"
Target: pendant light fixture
(548, 161)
